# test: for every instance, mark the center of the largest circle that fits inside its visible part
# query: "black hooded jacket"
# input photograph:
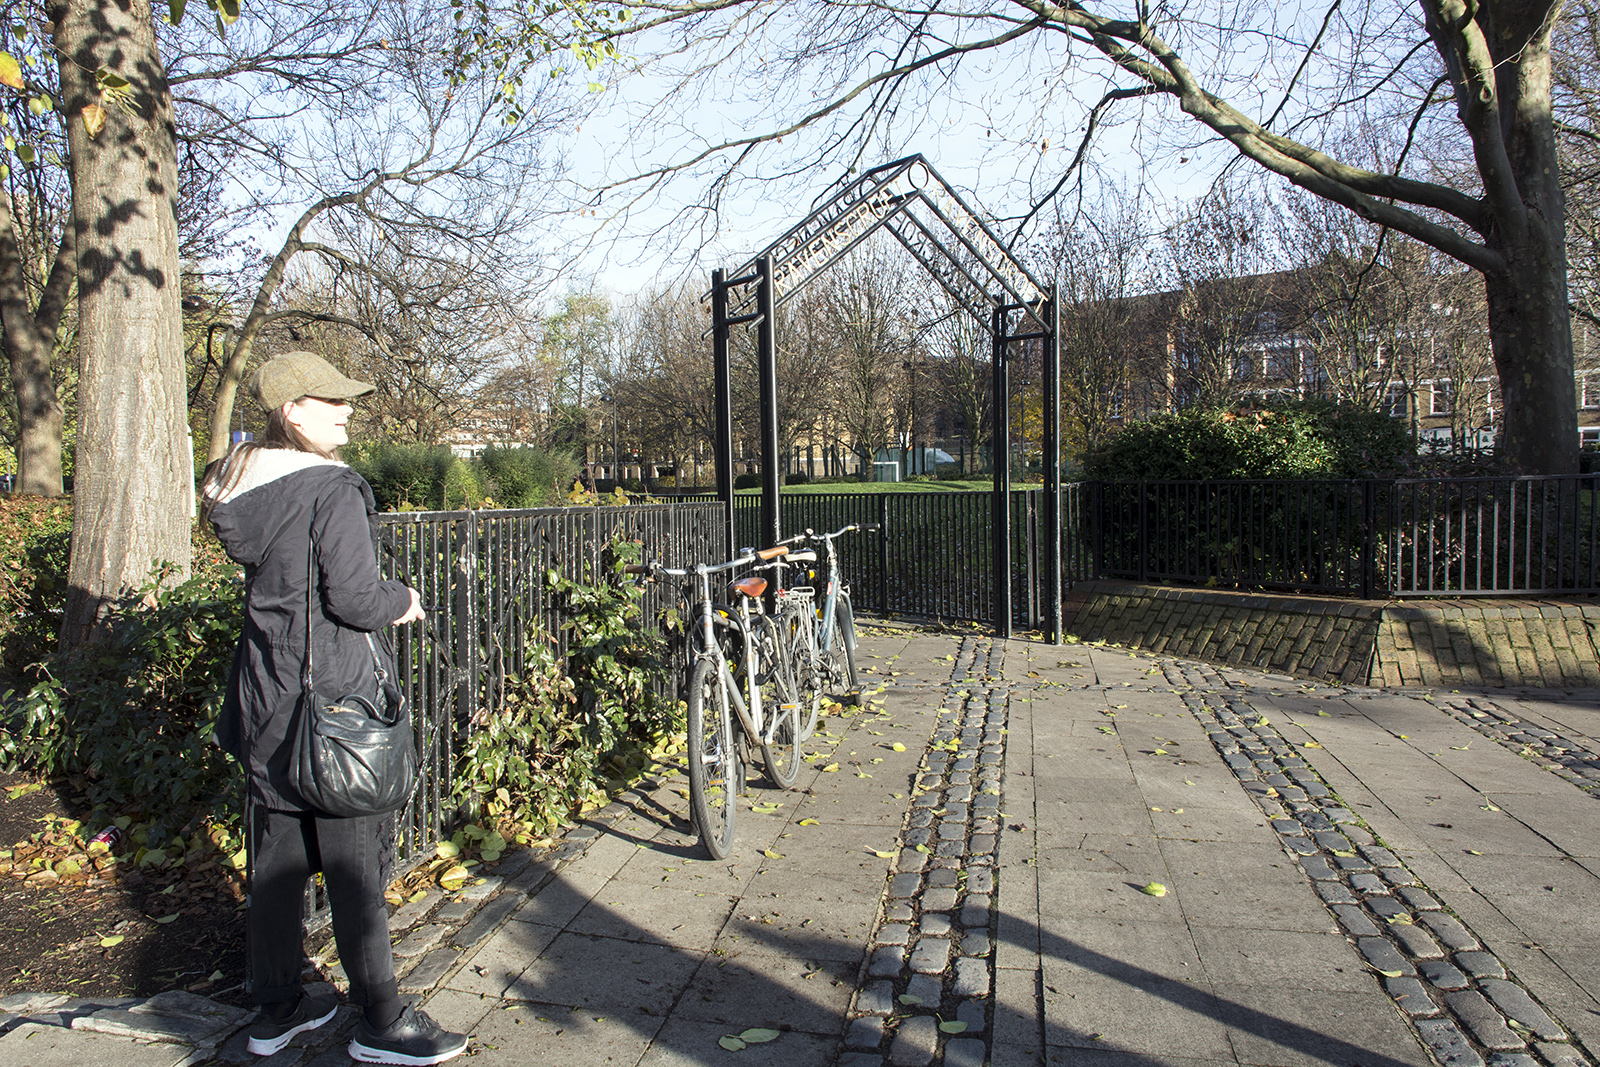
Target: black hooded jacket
(267, 522)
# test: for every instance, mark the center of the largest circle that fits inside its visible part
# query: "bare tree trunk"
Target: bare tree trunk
(1531, 335)
(30, 340)
(1530, 324)
(134, 480)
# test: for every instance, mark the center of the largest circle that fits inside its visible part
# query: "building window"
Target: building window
(1441, 402)
(1589, 391)
(1244, 368)
(1589, 437)
(1394, 401)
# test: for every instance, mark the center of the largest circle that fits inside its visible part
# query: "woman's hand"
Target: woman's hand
(414, 612)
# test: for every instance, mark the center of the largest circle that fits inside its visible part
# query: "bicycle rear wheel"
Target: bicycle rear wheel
(713, 762)
(809, 683)
(781, 702)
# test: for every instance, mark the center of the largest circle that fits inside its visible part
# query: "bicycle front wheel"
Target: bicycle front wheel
(781, 702)
(713, 762)
(840, 659)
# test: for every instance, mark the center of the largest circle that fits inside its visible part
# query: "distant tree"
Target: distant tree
(1099, 259)
(1276, 83)
(1217, 262)
(864, 307)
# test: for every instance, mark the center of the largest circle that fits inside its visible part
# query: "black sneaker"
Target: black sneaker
(414, 1038)
(268, 1035)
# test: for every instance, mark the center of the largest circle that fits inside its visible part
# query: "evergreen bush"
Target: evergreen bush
(1294, 439)
(415, 477)
(524, 477)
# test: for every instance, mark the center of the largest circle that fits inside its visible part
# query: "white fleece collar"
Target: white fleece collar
(266, 465)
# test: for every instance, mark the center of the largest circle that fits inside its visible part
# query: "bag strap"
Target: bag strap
(305, 671)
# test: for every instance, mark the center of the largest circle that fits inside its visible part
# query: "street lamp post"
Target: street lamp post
(616, 448)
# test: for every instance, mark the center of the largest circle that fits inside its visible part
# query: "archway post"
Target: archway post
(767, 357)
(1000, 539)
(1052, 459)
(722, 386)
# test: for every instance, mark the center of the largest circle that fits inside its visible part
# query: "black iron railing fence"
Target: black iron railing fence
(483, 574)
(1494, 536)
(1368, 538)
(484, 577)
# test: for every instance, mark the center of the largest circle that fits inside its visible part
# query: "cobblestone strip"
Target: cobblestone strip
(1459, 998)
(1577, 759)
(930, 974)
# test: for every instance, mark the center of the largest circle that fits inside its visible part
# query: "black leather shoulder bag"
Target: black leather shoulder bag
(356, 755)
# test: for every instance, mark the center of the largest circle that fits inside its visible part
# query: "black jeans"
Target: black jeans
(286, 848)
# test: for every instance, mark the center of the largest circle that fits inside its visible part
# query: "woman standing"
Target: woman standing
(288, 509)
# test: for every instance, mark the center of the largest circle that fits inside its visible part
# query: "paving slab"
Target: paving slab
(36, 1045)
(1002, 876)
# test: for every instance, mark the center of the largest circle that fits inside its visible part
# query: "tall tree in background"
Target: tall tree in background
(1217, 263)
(960, 376)
(1100, 261)
(866, 313)
(663, 387)
(417, 198)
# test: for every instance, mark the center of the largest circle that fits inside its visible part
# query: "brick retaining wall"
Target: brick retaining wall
(1450, 643)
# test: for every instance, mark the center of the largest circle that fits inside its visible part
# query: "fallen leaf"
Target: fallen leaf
(731, 1043)
(1154, 889)
(111, 941)
(757, 1035)
(909, 998)
(952, 1026)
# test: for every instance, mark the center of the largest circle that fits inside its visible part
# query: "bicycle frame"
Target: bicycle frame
(749, 711)
(827, 628)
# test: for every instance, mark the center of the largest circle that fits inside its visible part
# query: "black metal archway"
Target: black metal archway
(909, 199)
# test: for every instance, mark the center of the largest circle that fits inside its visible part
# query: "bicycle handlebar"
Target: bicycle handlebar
(866, 527)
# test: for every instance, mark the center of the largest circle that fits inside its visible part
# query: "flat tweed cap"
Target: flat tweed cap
(296, 374)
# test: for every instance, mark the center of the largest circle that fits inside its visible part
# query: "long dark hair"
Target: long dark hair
(225, 473)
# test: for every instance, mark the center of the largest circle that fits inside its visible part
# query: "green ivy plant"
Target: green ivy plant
(571, 726)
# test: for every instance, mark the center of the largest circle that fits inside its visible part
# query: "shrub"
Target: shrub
(415, 477)
(532, 764)
(797, 478)
(749, 480)
(524, 477)
(1298, 439)
(133, 716)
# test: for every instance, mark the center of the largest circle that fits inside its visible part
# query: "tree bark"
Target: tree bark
(134, 481)
(30, 341)
(1530, 325)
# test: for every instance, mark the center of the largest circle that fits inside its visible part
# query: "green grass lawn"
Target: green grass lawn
(941, 486)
